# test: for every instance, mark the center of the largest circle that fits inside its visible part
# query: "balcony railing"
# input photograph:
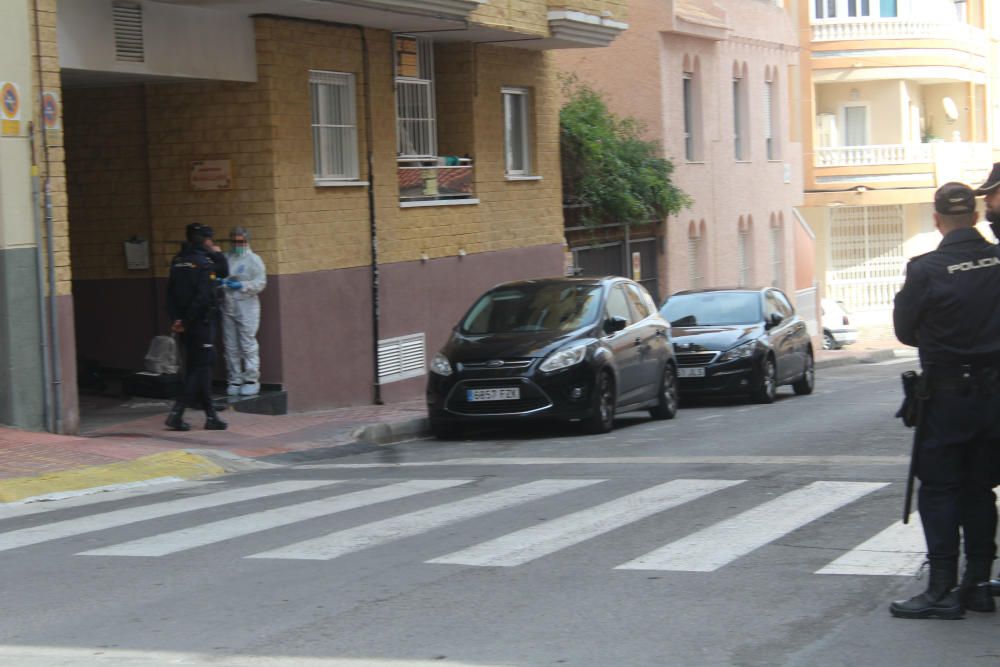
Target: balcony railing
(950, 160)
(425, 181)
(850, 156)
(856, 29)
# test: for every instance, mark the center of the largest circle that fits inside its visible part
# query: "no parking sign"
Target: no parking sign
(50, 111)
(10, 109)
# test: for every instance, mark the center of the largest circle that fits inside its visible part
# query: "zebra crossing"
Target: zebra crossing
(896, 550)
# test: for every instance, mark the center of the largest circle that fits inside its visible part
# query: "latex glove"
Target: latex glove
(220, 282)
(234, 284)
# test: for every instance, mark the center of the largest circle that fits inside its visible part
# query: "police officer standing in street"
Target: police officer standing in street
(193, 307)
(947, 309)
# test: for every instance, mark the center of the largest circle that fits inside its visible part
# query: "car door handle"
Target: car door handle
(638, 341)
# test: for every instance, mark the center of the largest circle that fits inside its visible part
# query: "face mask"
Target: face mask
(239, 250)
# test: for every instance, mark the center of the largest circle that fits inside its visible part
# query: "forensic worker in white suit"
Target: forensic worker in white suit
(241, 315)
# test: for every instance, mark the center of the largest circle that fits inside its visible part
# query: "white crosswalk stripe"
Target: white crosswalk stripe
(711, 548)
(226, 529)
(896, 551)
(117, 518)
(407, 525)
(531, 543)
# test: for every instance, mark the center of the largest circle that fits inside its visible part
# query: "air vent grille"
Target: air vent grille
(127, 19)
(401, 358)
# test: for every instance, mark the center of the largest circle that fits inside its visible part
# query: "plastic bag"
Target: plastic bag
(162, 356)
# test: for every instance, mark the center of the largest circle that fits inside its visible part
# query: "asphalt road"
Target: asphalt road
(735, 534)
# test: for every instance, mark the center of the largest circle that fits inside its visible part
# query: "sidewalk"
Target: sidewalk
(139, 450)
(133, 450)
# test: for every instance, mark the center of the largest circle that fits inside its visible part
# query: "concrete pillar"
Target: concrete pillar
(21, 378)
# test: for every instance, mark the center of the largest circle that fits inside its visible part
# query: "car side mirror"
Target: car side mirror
(773, 320)
(615, 324)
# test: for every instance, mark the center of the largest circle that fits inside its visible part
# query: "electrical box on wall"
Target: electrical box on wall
(136, 254)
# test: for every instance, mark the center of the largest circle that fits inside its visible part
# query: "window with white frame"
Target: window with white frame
(740, 140)
(745, 260)
(770, 120)
(416, 120)
(689, 130)
(777, 256)
(516, 131)
(696, 277)
(855, 9)
(334, 126)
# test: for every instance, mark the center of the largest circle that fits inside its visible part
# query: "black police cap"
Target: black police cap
(954, 199)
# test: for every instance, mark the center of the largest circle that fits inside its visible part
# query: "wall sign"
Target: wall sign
(212, 175)
(51, 113)
(636, 266)
(10, 109)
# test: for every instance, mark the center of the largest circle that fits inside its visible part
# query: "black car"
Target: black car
(575, 349)
(739, 341)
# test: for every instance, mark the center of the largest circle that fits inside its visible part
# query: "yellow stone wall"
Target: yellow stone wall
(108, 178)
(531, 16)
(51, 82)
(264, 129)
(321, 228)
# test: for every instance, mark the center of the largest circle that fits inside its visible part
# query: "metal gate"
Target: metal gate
(635, 259)
(866, 262)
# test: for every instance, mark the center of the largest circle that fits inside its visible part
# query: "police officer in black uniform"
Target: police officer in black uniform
(947, 309)
(193, 307)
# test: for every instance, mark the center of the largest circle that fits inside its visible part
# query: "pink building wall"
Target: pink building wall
(642, 76)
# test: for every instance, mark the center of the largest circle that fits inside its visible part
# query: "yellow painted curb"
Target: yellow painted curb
(175, 463)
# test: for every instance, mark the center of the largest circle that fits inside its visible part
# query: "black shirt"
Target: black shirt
(948, 306)
(191, 294)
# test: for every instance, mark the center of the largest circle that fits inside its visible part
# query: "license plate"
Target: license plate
(690, 372)
(497, 394)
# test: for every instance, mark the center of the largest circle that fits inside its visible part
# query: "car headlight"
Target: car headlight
(561, 359)
(440, 365)
(739, 352)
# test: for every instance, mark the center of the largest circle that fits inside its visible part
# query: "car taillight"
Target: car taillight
(846, 321)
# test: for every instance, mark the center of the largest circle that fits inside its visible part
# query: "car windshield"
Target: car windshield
(705, 309)
(534, 307)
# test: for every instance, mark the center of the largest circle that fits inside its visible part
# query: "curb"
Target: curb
(172, 465)
(386, 433)
(852, 359)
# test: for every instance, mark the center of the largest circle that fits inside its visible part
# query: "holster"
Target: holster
(915, 392)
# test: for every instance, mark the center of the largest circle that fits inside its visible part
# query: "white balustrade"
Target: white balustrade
(834, 30)
(850, 156)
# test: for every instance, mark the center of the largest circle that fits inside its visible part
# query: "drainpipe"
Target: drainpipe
(56, 369)
(36, 198)
(372, 222)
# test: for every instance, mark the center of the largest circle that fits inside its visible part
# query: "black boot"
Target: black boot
(975, 591)
(175, 420)
(212, 421)
(940, 600)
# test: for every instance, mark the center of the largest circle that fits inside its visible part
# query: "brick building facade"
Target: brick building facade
(436, 224)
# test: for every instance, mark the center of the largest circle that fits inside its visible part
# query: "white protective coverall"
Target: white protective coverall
(241, 317)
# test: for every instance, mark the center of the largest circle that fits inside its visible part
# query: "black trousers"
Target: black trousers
(199, 351)
(957, 464)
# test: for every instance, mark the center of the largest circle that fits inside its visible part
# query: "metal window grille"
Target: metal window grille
(402, 358)
(866, 255)
(688, 88)
(744, 257)
(126, 18)
(517, 155)
(696, 277)
(769, 138)
(737, 119)
(777, 257)
(334, 126)
(416, 115)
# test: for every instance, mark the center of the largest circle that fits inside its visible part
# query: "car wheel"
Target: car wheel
(445, 430)
(767, 386)
(828, 342)
(602, 416)
(804, 385)
(666, 408)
